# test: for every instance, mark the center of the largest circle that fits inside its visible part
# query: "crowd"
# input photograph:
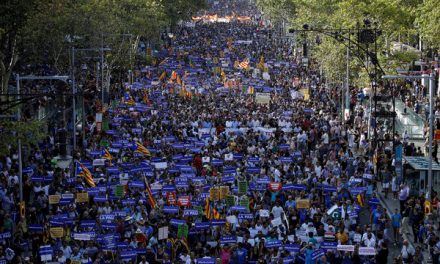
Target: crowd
(225, 150)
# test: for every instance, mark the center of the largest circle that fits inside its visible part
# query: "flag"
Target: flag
(128, 99)
(251, 90)
(163, 76)
(210, 212)
(207, 209)
(173, 75)
(145, 98)
(87, 175)
(149, 194)
(140, 148)
(164, 62)
(260, 64)
(215, 213)
(179, 81)
(107, 155)
(360, 200)
(244, 64)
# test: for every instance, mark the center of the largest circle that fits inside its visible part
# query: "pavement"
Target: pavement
(394, 250)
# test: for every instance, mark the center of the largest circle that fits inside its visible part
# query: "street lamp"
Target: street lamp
(20, 161)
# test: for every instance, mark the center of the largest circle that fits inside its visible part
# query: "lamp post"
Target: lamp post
(20, 161)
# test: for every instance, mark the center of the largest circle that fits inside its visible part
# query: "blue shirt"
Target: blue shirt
(241, 255)
(395, 219)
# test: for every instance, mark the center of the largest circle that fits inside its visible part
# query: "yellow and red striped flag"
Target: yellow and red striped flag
(360, 200)
(87, 175)
(140, 148)
(149, 194)
(163, 75)
(107, 155)
(244, 64)
(207, 209)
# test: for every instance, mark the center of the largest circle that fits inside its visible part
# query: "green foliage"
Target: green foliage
(30, 132)
(397, 19)
(428, 20)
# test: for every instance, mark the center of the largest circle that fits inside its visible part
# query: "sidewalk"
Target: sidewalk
(391, 204)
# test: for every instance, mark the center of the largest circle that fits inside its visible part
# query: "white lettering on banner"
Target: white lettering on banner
(160, 165)
(349, 248)
(367, 251)
(80, 236)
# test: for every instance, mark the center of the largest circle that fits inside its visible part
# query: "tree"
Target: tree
(14, 15)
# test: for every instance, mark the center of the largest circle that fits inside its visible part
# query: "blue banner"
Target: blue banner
(228, 239)
(273, 244)
(317, 254)
(292, 248)
(202, 225)
(190, 212)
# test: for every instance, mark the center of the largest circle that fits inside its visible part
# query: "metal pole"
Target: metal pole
(102, 70)
(431, 121)
(347, 91)
(20, 161)
(73, 102)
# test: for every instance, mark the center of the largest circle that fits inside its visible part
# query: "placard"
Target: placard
(303, 204)
(82, 197)
(367, 251)
(56, 232)
(230, 200)
(262, 98)
(182, 231)
(54, 199)
(214, 194)
(242, 187)
(245, 203)
(119, 191)
(163, 233)
(224, 192)
(349, 248)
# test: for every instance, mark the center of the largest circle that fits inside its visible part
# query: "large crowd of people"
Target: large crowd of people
(225, 150)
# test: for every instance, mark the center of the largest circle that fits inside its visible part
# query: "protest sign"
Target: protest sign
(303, 203)
(56, 232)
(182, 231)
(224, 192)
(262, 98)
(242, 187)
(245, 203)
(163, 233)
(119, 191)
(54, 199)
(214, 194)
(230, 200)
(82, 197)
(367, 251)
(349, 248)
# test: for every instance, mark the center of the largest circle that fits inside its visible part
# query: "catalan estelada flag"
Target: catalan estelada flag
(128, 99)
(149, 194)
(107, 155)
(87, 175)
(140, 148)
(163, 76)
